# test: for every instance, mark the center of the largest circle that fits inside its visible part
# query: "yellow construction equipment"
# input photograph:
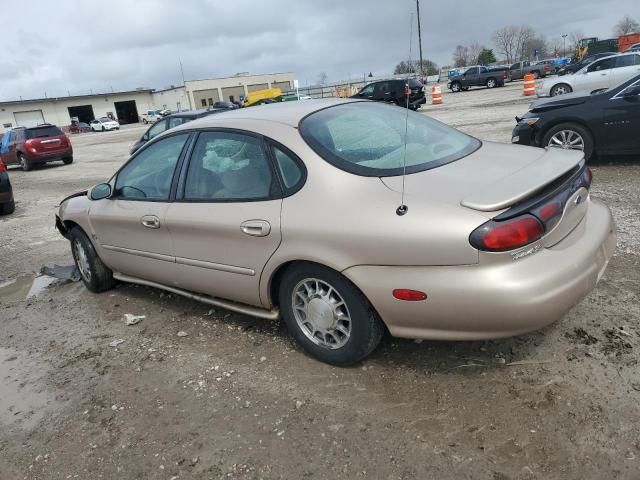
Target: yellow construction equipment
(261, 95)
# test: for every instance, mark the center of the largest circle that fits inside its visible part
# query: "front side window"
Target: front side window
(175, 121)
(606, 64)
(157, 129)
(229, 166)
(368, 90)
(148, 175)
(369, 139)
(471, 71)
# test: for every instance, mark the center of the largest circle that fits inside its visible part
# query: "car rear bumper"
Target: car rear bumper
(42, 157)
(6, 192)
(485, 301)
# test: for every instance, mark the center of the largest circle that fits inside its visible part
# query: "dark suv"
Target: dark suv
(395, 91)
(29, 146)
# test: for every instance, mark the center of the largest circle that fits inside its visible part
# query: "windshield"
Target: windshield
(368, 138)
(44, 131)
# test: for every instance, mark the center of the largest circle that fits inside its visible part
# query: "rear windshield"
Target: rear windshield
(105, 119)
(414, 83)
(368, 138)
(44, 131)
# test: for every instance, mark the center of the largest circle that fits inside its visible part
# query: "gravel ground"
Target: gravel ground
(195, 392)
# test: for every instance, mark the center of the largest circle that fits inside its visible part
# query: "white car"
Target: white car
(603, 73)
(103, 124)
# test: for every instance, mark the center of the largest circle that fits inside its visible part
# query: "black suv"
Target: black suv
(395, 91)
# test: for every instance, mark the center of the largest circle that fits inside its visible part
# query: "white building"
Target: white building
(128, 106)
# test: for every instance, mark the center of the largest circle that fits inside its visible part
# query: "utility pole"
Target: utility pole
(184, 84)
(422, 78)
(564, 44)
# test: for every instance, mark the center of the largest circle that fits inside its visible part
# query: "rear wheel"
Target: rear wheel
(7, 208)
(67, 161)
(25, 163)
(570, 136)
(327, 315)
(560, 89)
(491, 83)
(96, 276)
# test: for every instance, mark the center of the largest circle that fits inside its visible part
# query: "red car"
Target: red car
(29, 146)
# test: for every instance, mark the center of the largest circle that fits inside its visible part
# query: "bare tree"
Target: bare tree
(574, 38)
(474, 51)
(506, 43)
(461, 56)
(322, 78)
(538, 44)
(626, 25)
(554, 46)
(524, 37)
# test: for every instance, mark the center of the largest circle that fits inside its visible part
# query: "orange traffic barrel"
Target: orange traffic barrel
(436, 95)
(529, 84)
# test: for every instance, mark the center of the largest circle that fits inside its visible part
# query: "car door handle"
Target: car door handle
(256, 228)
(150, 221)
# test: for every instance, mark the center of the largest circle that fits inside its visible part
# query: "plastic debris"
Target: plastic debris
(117, 342)
(130, 319)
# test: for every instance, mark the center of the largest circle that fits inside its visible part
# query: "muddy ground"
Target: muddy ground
(234, 398)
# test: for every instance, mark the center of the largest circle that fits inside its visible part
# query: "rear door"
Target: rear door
(226, 221)
(131, 226)
(622, 123)
(14, 138)
(627, 66)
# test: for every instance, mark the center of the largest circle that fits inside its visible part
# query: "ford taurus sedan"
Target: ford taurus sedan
(346, 218)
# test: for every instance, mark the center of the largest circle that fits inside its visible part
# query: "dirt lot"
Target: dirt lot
(234, 398)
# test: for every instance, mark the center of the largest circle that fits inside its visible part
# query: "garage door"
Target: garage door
(235, 92)
(29, 118)
(284, 86)
(257, 86)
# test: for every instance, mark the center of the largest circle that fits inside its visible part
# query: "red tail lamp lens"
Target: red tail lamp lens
(406, 90)
(409, 295)
(2, 167)
(507, 235)
(549, 211)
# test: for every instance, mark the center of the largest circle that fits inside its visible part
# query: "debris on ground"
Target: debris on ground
(69, 273)
(182, 333)
(130, 319)
(580, 335)
(117, 342)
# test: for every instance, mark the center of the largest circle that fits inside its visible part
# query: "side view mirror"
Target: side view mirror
(100, 191)
(633, 93)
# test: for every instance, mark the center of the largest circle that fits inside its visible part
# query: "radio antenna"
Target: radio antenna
(403, 209)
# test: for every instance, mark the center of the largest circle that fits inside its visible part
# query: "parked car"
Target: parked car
(552, 65)
(30, 146)
(634, 48)
(79, 127)
(603, 73)
(151, 116)
(170, 122)
(7, 204)
(294, 210)
(574, 67)
(104, 124)
(477, 76)
(225, 104)
(395, 92)
(606, 121)
(518, 70)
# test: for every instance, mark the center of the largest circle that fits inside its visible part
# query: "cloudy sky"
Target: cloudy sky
(76, 46)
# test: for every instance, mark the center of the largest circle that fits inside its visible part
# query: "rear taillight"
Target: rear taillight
(29, 143)
(407, 90)
(508, 234)
(2, 167)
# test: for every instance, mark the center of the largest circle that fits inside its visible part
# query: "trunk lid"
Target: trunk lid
(494, 177)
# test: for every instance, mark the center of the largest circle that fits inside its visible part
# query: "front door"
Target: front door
(598, 75)
(226, 220)
(622, 122)
(130, 227)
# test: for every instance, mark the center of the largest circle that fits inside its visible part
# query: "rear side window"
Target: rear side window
(369, 139)
(46, 131)
(289, 169)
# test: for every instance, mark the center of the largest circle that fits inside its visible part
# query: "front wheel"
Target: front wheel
(327, 315)
(570, 136)
(536, 75)
(456, 87)
(96, 276)
(25, 163)
(560, 89)
(491, 83)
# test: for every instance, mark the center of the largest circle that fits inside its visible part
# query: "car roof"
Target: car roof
(289, 113)
(196, 113)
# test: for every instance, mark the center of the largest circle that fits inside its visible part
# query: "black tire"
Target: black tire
(7, 208)
(144, 120)
(99, 277)
(67, 161)
(491, 83)
(104, 129)
(26, 165)
(536, 75)
(574, 127)
(560, 89)
(456, 87)
(366, 327)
